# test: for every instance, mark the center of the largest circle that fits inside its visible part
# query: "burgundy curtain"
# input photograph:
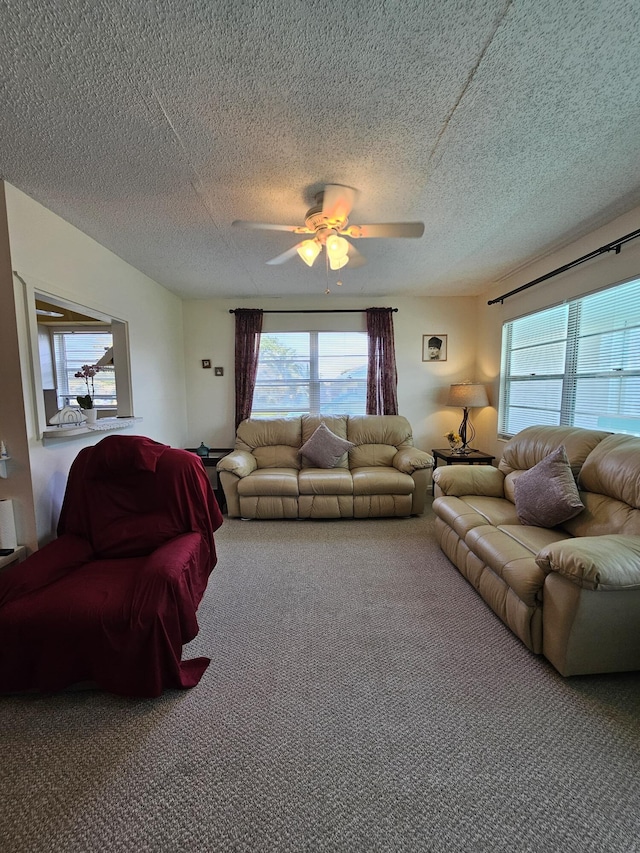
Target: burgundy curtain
(382, 377)
(248, 328)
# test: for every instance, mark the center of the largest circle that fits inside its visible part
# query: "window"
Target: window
(73, 349)
(311, 373)
(576, 364)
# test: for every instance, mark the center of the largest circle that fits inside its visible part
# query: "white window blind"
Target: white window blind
(576, 364)
(311, 373)
(73, 349)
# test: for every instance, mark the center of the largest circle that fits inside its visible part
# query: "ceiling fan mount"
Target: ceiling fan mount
(328, 221)
(316, 219)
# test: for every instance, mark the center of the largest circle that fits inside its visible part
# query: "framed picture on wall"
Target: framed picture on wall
(434, 347)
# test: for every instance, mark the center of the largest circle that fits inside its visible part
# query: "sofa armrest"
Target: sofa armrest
(595, 562)
(239, 462)
(410, 459)
(458, 480)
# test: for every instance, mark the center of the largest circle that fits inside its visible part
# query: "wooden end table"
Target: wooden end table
(210, 462)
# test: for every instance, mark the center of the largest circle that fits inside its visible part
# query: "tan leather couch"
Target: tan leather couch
(382, 475)
(571, 592)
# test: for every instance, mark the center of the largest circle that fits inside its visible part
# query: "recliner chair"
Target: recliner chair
(113, 599)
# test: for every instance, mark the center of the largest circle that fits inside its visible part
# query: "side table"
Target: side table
(450, 457)
(19, 554)
(210, 462)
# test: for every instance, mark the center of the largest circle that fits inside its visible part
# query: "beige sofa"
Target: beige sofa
(381, 474)
(571, 591)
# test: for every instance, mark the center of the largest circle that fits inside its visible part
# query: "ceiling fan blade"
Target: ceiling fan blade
(337, 202)
(355, 258)
(285, 256)
(267, 226)
(386, 229)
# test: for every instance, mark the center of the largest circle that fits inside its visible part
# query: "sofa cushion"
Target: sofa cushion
(546, 495)
(277, 456)
(325, 449)
(381, 481)
(261, 432)
(372, 455)
(532, 444)
(510, 560)
(613, 469)
(315, 481)
(278, 482)
(379, 429)
(602, 516)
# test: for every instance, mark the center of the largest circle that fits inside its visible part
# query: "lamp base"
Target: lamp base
(467, 433)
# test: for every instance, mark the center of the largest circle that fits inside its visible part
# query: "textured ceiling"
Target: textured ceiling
(508, 126)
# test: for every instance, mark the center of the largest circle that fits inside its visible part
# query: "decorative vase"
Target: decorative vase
(91, 415)
(455, 445)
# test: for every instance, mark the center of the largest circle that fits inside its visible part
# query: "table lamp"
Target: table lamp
(467, 395)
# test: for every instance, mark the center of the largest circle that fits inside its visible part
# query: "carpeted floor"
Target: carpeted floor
(361, 697)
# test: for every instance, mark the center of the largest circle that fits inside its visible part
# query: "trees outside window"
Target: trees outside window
(311, 373)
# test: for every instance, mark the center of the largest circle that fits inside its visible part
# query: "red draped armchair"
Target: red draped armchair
(113, 599)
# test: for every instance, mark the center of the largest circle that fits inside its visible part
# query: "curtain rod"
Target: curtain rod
(316, 311)
(615, 246)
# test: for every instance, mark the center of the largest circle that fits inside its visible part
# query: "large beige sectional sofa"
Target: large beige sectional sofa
(569, 591)
(379, 473)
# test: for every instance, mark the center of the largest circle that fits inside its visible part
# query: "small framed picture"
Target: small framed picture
(434, 347)
(206, 362)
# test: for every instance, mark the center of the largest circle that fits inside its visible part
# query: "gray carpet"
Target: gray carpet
(361, 697)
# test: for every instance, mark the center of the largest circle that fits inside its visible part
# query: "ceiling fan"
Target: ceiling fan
(328, 221)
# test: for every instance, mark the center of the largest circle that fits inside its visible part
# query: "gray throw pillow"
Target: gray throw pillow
(546, 495)
(324, 448)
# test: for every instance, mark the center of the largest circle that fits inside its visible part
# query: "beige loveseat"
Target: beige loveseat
(570, 591)
(380, 474)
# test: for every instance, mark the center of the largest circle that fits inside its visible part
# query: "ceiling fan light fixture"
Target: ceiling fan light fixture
(337, 247)
(309, 251)
(338, 263)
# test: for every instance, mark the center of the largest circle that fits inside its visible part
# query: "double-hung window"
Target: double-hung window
(576, 364)
(311, 373)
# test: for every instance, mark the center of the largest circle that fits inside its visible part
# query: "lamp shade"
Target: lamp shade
(468, 395)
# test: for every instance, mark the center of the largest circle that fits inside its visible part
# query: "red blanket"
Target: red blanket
(114, 598)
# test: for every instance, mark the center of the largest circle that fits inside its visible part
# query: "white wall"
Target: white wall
(54, 257)
(606, 269)
(422, 386)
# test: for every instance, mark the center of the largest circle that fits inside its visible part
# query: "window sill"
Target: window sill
(68, 431)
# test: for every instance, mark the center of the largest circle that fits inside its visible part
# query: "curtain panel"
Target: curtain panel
(382, 376)
(248, 329)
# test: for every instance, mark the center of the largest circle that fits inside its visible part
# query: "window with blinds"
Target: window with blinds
(73, 349)
(311, 373)
(576, 364)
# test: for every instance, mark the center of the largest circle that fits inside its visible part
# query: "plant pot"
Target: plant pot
(91, 415)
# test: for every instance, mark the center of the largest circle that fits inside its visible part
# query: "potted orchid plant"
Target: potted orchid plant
(87, 372)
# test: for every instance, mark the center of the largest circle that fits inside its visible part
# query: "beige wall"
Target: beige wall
(422, 386)
(54, 257)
